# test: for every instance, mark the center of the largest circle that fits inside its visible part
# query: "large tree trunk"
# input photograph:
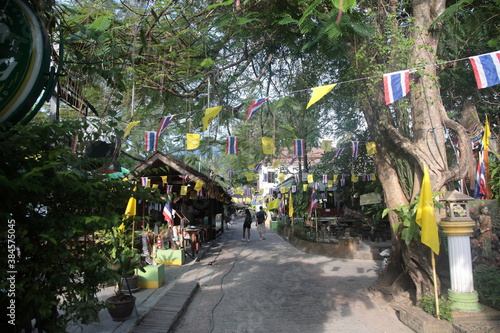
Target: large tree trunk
(425, 145)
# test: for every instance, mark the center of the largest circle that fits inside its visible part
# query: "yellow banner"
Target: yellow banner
(184, 190)
(326, 145)
(198, 186)
(268, 146)
(210, 114)
(371, 148)
(281, 177)
(249, 176)
(354, 178)
(304, 187)
(310, 178)
(192, 141)
(129, 127)
(318, 93)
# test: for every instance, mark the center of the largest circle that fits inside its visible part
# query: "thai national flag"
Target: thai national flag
(184, 177)
(296, 177)
(342, 180)
(298, 147)
(164, 123)
(480, 189)
(258, 166)
(355, 148)
(339, 152)
(294, 188)
(293, 160)
(325, 179)
(170, 189)
(167, 213)
(256, 104)
(150, 138)
(486, 69)
(232, 145)
(144, 181)
(396, 85)
(281, 209)
(314, 202)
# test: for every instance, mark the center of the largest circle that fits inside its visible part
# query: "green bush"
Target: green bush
(487, 285)
(52, 207)
(428, 304)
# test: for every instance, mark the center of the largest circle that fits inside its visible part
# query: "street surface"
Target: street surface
(270, 286)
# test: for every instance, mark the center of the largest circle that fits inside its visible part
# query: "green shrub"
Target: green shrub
(428, 304)
(487, 285)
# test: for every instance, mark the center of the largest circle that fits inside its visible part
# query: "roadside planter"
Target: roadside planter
(170, 257)
(153, 277)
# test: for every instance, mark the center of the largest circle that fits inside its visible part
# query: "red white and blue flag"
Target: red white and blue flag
(314, 202)
(167, 214)
(144, 181)
(164, 122)
(298, 147)
(281, 209)
(151, 140)
(294, 188)
(296, 177)
(232, 145)
(325, 179)
(486, 69)
(169, 189)
(480, 189)
(258, 166)
(396, 86)
(184, 177)
(355, 148)
(342, 180)
(256, 104)
(339, 152)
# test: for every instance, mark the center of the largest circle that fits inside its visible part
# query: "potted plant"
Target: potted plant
(124, 260)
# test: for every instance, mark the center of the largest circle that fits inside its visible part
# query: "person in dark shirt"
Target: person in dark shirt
(261, 226)
(247, 224)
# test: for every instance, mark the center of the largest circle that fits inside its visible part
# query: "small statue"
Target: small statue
(486, 234)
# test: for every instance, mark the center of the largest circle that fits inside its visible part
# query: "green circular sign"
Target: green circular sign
(24, 60)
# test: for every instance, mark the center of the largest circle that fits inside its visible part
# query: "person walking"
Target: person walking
(261, 226)
(246, 225)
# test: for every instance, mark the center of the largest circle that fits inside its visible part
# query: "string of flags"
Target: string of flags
(486, 69)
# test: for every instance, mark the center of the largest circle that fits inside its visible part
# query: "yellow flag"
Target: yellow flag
(425, 215)
(275, 204)
(276, 163)
(268, 146)
(283, 189)
(249, 176)
(354, 178)
(290, 206)
(310, 178)
(184, 190)
(486, 134)
(210, 114)
(326, 145)
(129, 127)
(198, 186)
(281, 177)
(335, 178)
(330, 183)
(192, 141)
(304, 187)
(319, 92)
(373, 177)
(163, 179)
(131, 209)
(371, 148)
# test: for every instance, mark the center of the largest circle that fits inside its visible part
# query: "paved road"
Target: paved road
(270, 286)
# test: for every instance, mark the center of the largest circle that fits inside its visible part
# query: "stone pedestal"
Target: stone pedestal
(462, 293)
